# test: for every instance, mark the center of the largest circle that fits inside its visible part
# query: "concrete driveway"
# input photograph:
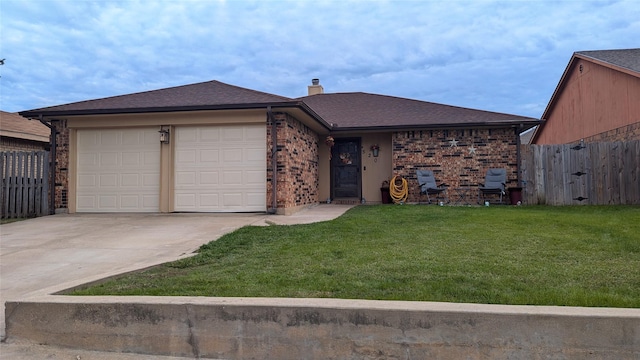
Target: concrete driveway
(45, 255)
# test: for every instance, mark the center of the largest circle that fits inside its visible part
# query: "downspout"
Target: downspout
(274, 162)
(52, 166)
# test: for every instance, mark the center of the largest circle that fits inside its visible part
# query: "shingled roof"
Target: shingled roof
(624, 58)
(210, 95)
(16, 126)
(362, 110)
(343, 110)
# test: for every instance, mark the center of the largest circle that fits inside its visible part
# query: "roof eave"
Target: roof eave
(524, 124)
(608, 64)
(56, 113)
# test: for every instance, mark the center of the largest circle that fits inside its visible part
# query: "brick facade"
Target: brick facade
(624, 133)
(297, 163)
(454, 162)
(62, 164)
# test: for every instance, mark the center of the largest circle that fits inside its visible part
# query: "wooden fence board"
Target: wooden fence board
(25, 184)
(593, 174)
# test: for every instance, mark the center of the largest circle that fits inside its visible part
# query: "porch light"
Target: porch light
(375, 149)
(164, 136)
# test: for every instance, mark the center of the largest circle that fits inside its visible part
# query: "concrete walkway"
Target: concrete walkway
(45, 255)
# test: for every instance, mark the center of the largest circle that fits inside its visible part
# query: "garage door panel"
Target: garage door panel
(210, 134)
(209, 156)
(186, 135)
(129, 201)
(108, 202)
(254, 177)
(228, 158)
(209, 178)
(87, 159)
(232, 178)
(132, 159)
(151, 181)
(151, 201)
(130, 180)
(233, 133)
(108, 159)
(232, 199)
(185, 178)
(87, 180)
(255, 155)
(108, 180)
(118, 170)
(232, 157)
(86, 201)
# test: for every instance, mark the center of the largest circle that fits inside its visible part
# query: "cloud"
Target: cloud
(493, 55)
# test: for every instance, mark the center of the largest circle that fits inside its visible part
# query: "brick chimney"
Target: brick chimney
(315, 87)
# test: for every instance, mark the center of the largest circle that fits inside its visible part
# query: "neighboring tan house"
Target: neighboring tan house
(21, 134)
(597, 99)
(231, 149)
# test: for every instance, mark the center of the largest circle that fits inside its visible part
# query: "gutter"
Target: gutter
(530, 123)
(52, 165)
(53, 112)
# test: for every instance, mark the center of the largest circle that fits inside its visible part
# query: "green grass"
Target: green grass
(577, 256)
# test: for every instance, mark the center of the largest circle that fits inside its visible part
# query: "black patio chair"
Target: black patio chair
(428, 186)
(495, 182)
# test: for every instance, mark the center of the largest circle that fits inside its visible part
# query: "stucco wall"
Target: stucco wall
(456, 163)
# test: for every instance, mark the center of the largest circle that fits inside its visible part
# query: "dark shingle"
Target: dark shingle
(344, 110)
(625, 58)
(362, 110)
(210, 93)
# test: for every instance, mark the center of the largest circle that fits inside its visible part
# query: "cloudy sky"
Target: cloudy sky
(504, 56)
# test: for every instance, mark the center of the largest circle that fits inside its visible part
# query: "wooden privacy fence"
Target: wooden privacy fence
(25, 184)
(604, 173)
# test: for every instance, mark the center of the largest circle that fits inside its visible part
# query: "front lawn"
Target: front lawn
(577, 256)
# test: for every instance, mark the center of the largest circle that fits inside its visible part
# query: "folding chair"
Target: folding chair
(494, 183)
(427, 183)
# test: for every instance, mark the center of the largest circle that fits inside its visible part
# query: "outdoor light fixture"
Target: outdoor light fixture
(164, 136)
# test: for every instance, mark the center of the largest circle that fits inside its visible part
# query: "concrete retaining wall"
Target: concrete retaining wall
(324, 328)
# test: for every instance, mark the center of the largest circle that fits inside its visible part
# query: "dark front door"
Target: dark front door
(345, 169)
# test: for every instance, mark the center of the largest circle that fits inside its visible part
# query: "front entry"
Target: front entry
(345, 169)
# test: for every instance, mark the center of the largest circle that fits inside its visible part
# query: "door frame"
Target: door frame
(335, 156)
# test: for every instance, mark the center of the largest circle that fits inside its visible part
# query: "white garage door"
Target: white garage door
(220, 168)
(118, 170)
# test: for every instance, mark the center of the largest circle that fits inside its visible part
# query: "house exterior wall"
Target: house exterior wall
(61, 178)
(623, 133)
(297, 164)
(591, 104)
(14, 144)
(457, 166)
(374, 170)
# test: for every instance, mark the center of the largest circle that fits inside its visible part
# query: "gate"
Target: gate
(604, 173)
(25, 184)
